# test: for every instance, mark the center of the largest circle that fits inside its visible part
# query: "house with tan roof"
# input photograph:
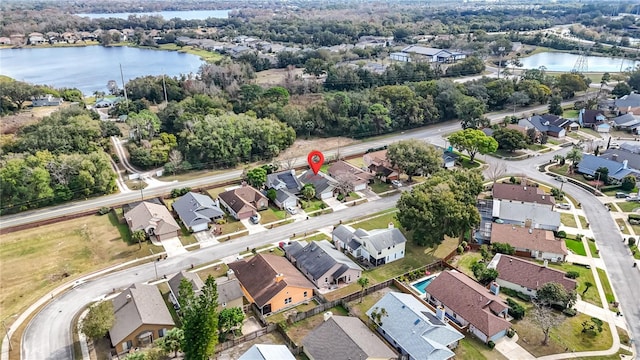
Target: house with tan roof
(379, 165)
(522, 193)
(154, 219)
(357, 178)
(536, 243)
(141, 317)
(243, 202)
(271, 282)
(527, 277)
(345, 337)
(469, 304)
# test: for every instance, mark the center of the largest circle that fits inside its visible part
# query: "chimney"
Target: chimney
(614, 157)
(231, 274)
(625, 164)
(494, 288)
(128, 297)
(327, 315)
(546, 263)
(440, 312)
(279, 277)
(390, 225)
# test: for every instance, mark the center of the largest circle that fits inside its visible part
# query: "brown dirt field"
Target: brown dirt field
(302, 147)
(10, 124)
(273, 77)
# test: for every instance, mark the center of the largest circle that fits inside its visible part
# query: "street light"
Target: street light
(155, 267)
(6, 330)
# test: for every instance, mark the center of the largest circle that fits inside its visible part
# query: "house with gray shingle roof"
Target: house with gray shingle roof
(627, 121)
(141, 317)
(345, 337)
(323, 183)
(379, 246)
(549, 124)
(196, 211)
(624, 103)
(287, 186)
(625, 153)
(525, 276)
(617, 170)
(529, 215)
(321, 263)
(414, 329)
(229, 291)
(469, 304)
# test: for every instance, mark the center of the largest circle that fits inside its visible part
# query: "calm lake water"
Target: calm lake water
(167, 15)
(555, 61)
(90, 68)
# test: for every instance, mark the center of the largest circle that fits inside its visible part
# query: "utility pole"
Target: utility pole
(124, 86)
(6, 330)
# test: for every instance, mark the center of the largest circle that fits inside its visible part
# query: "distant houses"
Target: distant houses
(416, 53)
(46, 100)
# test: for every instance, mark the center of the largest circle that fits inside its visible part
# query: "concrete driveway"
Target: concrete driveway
(205, 238)
(251, 227)
(173, 247)
(334, 204)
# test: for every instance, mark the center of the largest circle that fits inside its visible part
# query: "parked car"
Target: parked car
(291, 210)
(563, 206)
(621, 195)
(254, 219)
(396, 183)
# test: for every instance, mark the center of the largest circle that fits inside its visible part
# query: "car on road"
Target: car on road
(563, 206)
(621, 195)
(396, 183)
(254, 219)
(561, 179)
(291, 210)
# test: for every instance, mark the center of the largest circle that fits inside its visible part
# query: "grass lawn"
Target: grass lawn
(536, 147)
(317, 237)
(465, 261)
(575, 246)
(593, 249)
(37, 260)
(282, 316)
(590, 296)
(604, 279)
(312, 205)
(380, 187)
(186, 236)
(628, 206)
(583, 221)
(359, 308)
(467, 164)
(299, 330)
(232, 225)
(636, 229)
(636, 252)
(568, 335)
(378, 222)
(192, 175)
(622, 226)
(205, 55)
(570, 114)
(590, 132)
(271, 214)
(567, 219)
(612, 207)
(358, 161)
(470, 348)
(216, 271)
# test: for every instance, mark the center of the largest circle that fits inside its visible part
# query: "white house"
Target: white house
(529, 215)
(416, 53)
(379, 246)
(46, 100)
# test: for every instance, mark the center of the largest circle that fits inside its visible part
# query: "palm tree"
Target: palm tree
(139, 236)
(588, 285)
(363, 282)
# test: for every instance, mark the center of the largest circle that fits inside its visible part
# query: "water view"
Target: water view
(556, 61)
(90, 68)
(167, 15)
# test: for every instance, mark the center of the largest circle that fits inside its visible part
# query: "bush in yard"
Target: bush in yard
(491, 344)
(632, 241)
(104, 210)
(460, 249)
(511, 332)
(573, 274)
(503, 248)
(569, 312)
(524, 297)
(561, 234)
(516, 310)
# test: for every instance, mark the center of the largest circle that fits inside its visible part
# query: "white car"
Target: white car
(563, 206)
(396, 183)
(291, 210)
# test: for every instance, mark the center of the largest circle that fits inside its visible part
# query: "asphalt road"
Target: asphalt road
(48, 335)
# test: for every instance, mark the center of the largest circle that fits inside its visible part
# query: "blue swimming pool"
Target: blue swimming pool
(422, 284)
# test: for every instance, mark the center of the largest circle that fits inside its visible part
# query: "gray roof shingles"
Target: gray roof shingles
(590, 164)
(318, 257)
(194, 209)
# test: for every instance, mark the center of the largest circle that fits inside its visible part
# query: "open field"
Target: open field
(37, 260)
(274, 77)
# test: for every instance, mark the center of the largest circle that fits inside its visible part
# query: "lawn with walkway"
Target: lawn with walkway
(473, 349)
(575, 246)
(628, 206)
(591, 295)
(567, 219)
(566, 337)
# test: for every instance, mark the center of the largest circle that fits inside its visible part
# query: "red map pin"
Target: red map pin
(315, 160)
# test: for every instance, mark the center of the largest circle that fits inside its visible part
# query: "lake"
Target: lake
(557, 61)
(167, 15)
(89, 68)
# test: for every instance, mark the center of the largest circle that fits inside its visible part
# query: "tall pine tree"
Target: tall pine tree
(199, 319)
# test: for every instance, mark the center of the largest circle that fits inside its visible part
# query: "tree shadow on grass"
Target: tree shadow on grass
(123, 229)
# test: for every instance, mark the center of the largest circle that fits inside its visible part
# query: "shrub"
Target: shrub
(573, 274)
(632, 241)
(460, 249)
(104, 210)
(561, 234)
(503, 248)
(512, 180)
(511, 332)
(464, 244)
(491, 344)
(340, 197)
(516, 310)
(524, 297)
(634, 217)
(569, 312)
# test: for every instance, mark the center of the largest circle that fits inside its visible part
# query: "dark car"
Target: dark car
(254, 219)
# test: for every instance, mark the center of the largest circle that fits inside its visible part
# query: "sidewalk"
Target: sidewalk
(511, 350)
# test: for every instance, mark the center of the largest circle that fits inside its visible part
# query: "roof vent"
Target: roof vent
(530, 231)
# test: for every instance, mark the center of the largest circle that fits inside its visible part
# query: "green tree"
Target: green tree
(271, 195)
(199, 317)
(415, 157)
(587, 285)
(574, 155)
(256, 177)
(554, 293)
(569, 84)
(510, 139)
(18, 92)
(470, 111)
(229, 319)
(546, 319)
(634, 79)
(473, 142)
(621, 89)
(519, 98)
(444, 205)
(363, 282)
(145, 124)
(172, 341)
(594, 326)
(379, 117)
(315, 66)
(308, 191)
(602, 174)
(555, 105)
(628, 183)
(99, 320)
(139, 236)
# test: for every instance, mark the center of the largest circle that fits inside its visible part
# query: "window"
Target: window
(162, 332)
(326, 280)
(305, 294)
(287, 300)
(128, 345)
